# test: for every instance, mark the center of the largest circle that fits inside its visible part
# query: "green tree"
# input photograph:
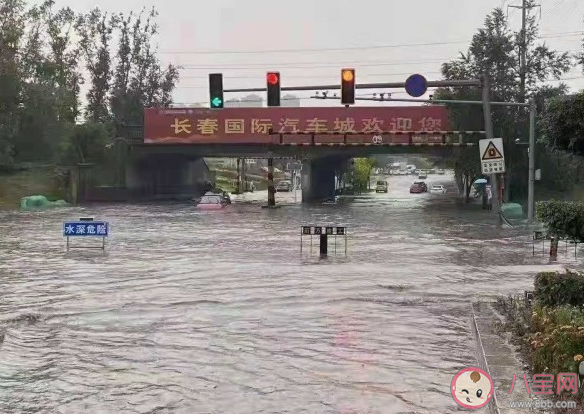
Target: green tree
(494, 51)
(139, 78)
(95, 30)
(362, 173)
(466, 169)
(86, 143)
(43, 52)
(12, 25)
(563, 123)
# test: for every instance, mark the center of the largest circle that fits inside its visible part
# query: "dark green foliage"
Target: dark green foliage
(563, 123)
(562, 218)
(44, 51)
(362, 173)
(494, 51)
(557, 289)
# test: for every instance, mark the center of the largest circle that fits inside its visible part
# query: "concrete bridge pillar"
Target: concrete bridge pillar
(319, 178)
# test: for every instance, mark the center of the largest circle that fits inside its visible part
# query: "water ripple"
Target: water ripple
(191, 312)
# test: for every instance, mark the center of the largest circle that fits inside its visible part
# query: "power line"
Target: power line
(347, 48)
(314, 76)
(311, 65)
(316, 65)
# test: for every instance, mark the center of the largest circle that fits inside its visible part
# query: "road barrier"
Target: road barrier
(323, 232)
(86, 227)
(541, 236)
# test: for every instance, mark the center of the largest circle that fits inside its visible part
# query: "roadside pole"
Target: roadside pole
(531, 186)
(489, 133)
(271, 188)
(238, 185)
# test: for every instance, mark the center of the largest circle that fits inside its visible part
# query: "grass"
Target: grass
(33, 181)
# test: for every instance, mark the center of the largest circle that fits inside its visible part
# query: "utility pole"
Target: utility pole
(525, 5)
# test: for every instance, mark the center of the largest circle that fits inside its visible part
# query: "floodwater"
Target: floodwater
(218, 312)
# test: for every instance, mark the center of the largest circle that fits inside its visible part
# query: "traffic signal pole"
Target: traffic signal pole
(273, 95)
(391, 85)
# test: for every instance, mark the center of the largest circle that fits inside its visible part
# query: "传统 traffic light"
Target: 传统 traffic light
(348, 86)
(273, 86)
(216, 90)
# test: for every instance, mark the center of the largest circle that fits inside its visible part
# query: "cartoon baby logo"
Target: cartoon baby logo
(472, 388)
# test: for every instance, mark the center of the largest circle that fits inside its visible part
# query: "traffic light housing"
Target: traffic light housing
(216, 90)
(348, 86)
(273, 87)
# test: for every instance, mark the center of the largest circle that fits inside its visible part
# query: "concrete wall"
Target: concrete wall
(319, 178)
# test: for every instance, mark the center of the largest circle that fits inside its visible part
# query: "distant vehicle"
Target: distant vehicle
(381, 187)
(422, 176)
(402, 172)
(440, 171)
(418, 187)
(284, 186)
(437, 189)
(211, 202)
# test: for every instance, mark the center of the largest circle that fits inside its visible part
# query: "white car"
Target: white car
(438, 189)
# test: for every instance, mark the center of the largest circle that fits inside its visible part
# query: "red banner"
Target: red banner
(253, 125)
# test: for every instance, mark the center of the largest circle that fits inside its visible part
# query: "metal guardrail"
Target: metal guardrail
(493, 406)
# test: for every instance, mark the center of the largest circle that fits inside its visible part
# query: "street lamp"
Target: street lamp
(531, 155)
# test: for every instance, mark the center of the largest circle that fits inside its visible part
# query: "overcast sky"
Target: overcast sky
(245, 38)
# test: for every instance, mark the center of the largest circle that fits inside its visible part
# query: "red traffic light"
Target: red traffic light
(273, 78)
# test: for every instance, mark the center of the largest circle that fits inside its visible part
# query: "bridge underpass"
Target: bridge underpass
(178, 171)
(323, 138)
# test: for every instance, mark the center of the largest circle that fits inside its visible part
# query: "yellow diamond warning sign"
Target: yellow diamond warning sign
(491, 152)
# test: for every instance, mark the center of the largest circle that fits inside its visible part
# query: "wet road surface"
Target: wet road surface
(217, 312)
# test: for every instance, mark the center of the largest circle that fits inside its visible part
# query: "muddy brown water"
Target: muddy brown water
(217, 312)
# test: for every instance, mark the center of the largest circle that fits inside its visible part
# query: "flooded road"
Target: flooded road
(217, 312)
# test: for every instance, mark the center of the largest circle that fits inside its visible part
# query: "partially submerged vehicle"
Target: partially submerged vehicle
(212, 201)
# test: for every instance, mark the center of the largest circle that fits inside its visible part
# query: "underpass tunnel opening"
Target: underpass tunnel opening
(167, 176)
(320, 177)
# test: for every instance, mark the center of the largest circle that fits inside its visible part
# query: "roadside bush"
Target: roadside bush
(550, 338)
(557, 343)
(557, 289)
(562, 218)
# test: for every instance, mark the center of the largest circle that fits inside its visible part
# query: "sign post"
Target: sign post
(493, 164)
(86, 227)
(323, 233)
(492, 156)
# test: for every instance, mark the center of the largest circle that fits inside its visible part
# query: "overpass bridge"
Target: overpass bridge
(172, 140)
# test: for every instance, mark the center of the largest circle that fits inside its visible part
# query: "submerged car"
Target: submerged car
(381, 187)
(212, 201)
(418, 187)
(284, 186)
(437, 189)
